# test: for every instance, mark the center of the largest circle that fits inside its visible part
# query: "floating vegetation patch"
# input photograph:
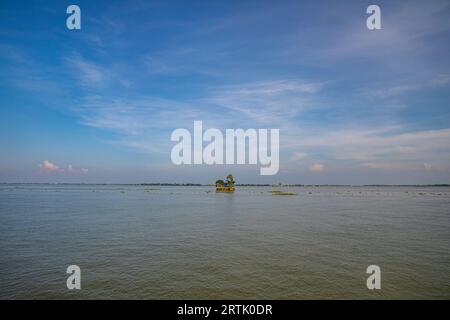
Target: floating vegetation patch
(282, 193)
(151, 189)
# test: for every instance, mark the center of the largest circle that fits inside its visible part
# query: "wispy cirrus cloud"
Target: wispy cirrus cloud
(266, 102)
(92, 75)
(384, 148)
(143, 121)
(89, 74)
(439, 81)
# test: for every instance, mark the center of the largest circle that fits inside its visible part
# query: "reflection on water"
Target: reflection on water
(189, 242)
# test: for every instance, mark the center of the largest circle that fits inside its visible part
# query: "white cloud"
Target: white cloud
(48, 166)
(317, 167)
(298, 156)
(384, 166)
(71, 169)
(405, 149)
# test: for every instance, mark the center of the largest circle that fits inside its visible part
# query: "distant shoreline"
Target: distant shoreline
(238, 185)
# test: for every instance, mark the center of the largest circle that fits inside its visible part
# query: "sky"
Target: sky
(98, 105)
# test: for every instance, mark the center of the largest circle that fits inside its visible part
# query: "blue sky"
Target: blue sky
(99, 104)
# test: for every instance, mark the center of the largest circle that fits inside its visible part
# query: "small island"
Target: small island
(225, 186)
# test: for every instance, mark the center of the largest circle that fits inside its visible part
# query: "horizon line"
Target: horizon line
(189, 184)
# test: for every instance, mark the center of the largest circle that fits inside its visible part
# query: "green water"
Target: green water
(189, 243)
